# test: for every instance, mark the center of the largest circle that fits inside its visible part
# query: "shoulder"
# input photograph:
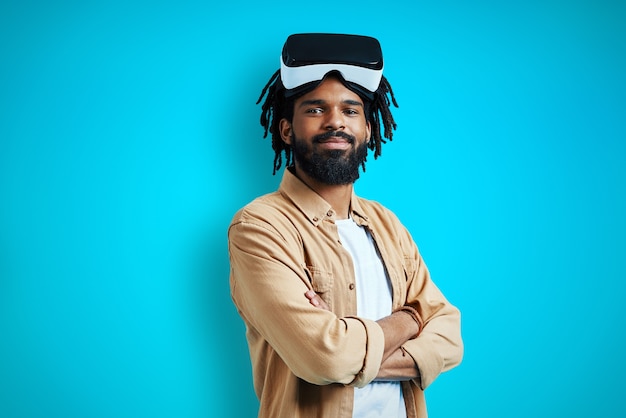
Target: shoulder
(260, 208)
(273, 213)
(386, 222)
(378, 212)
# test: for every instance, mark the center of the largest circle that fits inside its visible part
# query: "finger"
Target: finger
(320, 303)
(313, 298)
(323, 305)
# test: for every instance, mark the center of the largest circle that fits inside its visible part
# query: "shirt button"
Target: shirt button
(330, 213)
(315, 219)
(351, 286)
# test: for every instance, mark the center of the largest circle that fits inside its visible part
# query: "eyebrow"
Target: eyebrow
(321, 102)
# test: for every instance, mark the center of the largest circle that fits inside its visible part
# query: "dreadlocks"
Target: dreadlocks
(277, 107)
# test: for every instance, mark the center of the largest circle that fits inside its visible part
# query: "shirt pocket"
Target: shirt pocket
(409, 266)
(407, 277)
(321, 282)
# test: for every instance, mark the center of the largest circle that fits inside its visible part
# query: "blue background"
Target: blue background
(129, 136)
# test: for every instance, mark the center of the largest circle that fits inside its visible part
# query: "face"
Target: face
(328, 134)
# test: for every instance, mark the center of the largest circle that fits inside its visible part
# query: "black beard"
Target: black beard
(335, 167)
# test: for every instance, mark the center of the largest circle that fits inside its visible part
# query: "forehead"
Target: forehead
(330, 89)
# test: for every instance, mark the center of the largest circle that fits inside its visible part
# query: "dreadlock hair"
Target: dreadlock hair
(277, 107)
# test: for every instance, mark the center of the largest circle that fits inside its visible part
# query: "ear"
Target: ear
(368, 130)
(286, 131)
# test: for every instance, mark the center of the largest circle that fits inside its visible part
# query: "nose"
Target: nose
(334, 119)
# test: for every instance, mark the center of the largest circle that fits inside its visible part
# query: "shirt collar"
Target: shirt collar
(311, 204)
(356, 211)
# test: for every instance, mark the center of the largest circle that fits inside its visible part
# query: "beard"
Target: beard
(334, 167)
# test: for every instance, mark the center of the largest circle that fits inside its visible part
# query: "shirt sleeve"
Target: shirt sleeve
(439, 346)
(268, 282)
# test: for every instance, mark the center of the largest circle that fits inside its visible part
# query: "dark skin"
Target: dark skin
(396, 365)
(333, 107)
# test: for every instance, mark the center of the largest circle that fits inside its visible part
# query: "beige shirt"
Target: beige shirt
(307, 360)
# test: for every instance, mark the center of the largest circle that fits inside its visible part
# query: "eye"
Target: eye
(351, 112)
(314, 110)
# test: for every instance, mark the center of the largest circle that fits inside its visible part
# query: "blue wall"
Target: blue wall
(129, 136)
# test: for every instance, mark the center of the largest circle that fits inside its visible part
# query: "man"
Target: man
(341, 315)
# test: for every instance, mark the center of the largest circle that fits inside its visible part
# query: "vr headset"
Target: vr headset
(307, 57)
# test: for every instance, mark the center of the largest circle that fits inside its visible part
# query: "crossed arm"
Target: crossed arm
(398, 328)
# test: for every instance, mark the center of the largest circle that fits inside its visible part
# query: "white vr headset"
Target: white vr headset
(308, 57)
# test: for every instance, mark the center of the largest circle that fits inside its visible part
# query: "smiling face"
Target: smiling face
(328, 133)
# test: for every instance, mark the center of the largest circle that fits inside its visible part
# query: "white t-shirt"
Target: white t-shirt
(373, 292)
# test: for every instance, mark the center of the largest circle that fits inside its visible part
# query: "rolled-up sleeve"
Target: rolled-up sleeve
(268, 282)
(439, 346)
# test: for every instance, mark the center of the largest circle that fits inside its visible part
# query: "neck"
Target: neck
(337, 195)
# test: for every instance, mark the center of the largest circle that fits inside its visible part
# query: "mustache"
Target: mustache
(337, 134)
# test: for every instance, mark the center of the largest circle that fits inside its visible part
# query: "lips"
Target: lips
(334, 137)
(334, 143)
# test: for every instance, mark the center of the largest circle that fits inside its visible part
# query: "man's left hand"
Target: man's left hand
(316, 300)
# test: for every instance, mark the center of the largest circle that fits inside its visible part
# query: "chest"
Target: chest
(331, 270)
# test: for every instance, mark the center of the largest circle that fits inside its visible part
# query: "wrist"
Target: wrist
(414, 315)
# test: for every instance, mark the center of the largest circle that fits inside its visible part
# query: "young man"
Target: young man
(341, 315)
